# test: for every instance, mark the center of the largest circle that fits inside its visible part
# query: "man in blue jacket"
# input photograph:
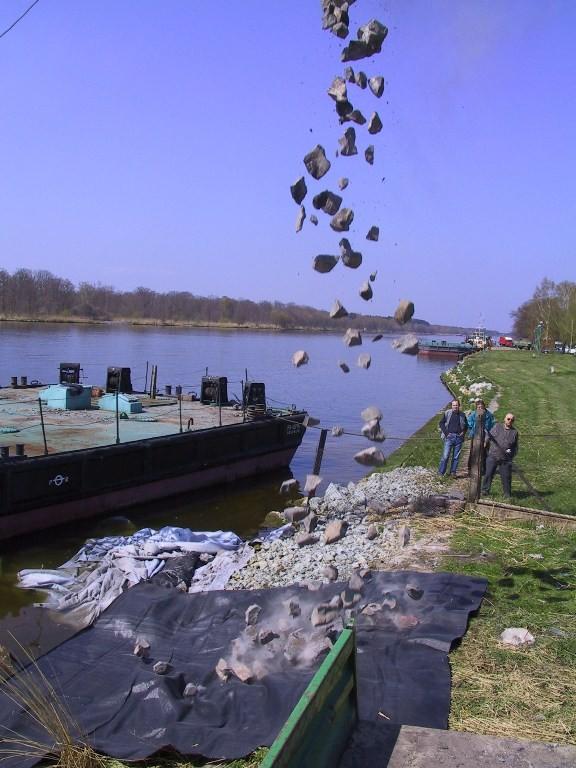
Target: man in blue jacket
(453, 426)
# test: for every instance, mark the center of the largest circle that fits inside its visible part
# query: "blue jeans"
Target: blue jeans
(451, 443)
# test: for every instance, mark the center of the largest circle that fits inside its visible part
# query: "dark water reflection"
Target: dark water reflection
(407, 389)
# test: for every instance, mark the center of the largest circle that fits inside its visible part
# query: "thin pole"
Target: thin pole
(180, 410)
(320, 452)
(43, 428)
(243, 402)
(117, 421)
(219, 406)
(146, 378)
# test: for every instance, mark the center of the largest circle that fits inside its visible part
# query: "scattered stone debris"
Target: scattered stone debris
(324, 263)
(355, 116)
(294, 609)
(374, 124)
(331, 573)
(369, 154)
(342, 220)
(378, 337)
(373, 276)
(252, 614)
(348, 143)
(161, 668)
(344, 366)
(343, 182)
(355, 582)
(327, 201)
(373, 431)
(361, 80)
(316, 162)
(289, 487)
(364, 360)
(295, 514)
(373, 234)
(370, 457)
(335, 17)
(366, 292)
(300, 358)
(350, 258)
(376, 85)
(266, 636)
(298, 190)
(516, 636)
(370, 39)
(223, 670)
(404, 536)
(300, 218)
(349, 75)
(313, 219)
(142, 649)
(335, 530)
(372, 532)
(414, 592)
(310, 522)
(352, 338)
(312, 483)
(337, 431)
(337, 90)
(304, 539)
(312, 421)
(404, 311)
(407, 344)
(343, 109)
(338, 310)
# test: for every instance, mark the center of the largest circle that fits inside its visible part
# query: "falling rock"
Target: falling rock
(343, 109)
(323, 614)
(404, 536)
(338, 431)
(348, 143)
(316, 162)
(295, 514)
(300, 358)
(373, 35)
(349, 75)
(303, 539)
(373, 431)
(377, 337)
(314, 219)
(190, 690)
(371, 609)
(142, 649)
(289, 487)
(311, 421)
(293, 606)
(389, 601)
(516, 636)
(361, 80)
(336, 602)
(223, 670)
(364, 360)
(330, 573)
(343, 182)
(369, 154)
(266, 636)
(337, 90)
(310, 522)
(312, 482)
(404, 311)
(349, 598)
(300, 218)
(373, 234)
(161, 667)
(324, 263)
(414, 591)
(355, 50)
(373, 276)
(350, 258)
(346, 369)
(252, 613)
(407, 344)
(298, 190)
(342, 220)
(340, 30)
(354, 116)
(372, 532)
(355, 583)
(366, 291)
(327, 201)
(352, 338)
(338, 310)
(312, 585)
(374, 124)
(335, 530)
(241, 670)
(295, 646)
(370, 457)
(376, 85)
(371, 413)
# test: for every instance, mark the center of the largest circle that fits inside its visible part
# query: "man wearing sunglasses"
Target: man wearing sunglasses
(502, 447)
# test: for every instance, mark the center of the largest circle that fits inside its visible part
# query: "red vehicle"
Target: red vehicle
(506, 341)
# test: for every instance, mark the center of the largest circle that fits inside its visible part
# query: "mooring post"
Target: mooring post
(43, 427)
(476, 462)
(320, 452)
(146, 378)
(180, 409)
(117, 421)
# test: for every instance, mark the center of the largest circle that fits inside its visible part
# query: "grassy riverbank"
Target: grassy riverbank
(530, 692)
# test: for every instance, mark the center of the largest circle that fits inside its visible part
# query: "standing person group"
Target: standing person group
(453, 426)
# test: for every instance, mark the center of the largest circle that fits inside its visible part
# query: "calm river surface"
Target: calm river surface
(406, 388)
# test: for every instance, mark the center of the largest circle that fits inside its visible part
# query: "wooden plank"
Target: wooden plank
(503, 511)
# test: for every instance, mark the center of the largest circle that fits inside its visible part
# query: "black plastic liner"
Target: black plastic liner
(128, 711)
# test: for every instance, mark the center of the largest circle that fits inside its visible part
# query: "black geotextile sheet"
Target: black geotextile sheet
(406, 623)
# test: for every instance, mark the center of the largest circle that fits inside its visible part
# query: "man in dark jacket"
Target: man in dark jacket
(453, 426)
(502, 447)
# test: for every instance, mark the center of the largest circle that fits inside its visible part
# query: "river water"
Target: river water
(407, 389)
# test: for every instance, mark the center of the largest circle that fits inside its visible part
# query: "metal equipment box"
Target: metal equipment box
(119, 380)
(126, 403)
(69, 397)
(214, 389)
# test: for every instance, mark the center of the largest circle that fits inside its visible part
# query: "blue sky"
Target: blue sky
(154, 143)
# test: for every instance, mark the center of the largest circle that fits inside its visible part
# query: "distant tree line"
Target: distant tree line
(553, 304)
(40, 295)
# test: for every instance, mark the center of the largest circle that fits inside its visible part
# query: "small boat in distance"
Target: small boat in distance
(447, 349)
(71, 451)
